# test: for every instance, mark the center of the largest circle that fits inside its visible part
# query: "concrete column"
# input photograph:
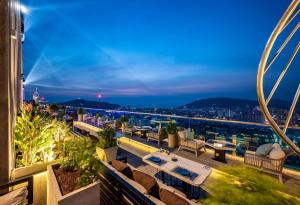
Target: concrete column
(4, 92)
(10, 65)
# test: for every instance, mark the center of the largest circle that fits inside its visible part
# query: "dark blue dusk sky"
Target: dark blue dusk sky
(148, 52)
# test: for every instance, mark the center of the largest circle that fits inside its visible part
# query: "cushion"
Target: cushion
(200, 143)
(190, 134)
(123, 168)
(182, 134)
(192, 144)
(16, 197)
(276, 152)
(147, 181)
(170, 198)
(264, 150)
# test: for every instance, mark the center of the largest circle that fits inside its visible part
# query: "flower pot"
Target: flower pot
(98, 121)
(172, 140)
(84, 116)
(107, 154)
(80, 117)
(88, 195)
(124, 125)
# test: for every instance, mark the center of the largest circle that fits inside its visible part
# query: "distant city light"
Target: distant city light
(99, 95)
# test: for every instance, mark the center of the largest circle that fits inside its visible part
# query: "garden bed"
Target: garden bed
(63, 191)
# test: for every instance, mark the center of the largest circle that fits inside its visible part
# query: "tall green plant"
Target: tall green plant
(35, 137)
(244, 186)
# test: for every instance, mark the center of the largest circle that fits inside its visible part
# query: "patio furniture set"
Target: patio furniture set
(156, 191)
(189, 172)
(186, 141)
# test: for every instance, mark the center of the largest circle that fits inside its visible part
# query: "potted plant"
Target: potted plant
(172, 131)
(124, 120)
(107, 145)
(118, 124)
(80, 113)
(75, 177)
(97, 116)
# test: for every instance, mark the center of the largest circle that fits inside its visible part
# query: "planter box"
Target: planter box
(107, 154)
(31, 170)
(38, 170)
(88, 195)
(84, 117)
(172, 141)
(80, 117)
(124, 125)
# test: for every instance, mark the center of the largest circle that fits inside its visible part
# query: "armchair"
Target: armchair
(157, 136)
(194, 145)
(265, 164)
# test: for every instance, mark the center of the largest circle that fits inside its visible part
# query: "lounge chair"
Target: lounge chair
(129, 129)
(156, 136)
(265, 164)
(194, 145)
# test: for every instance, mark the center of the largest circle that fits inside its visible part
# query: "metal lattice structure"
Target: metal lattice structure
(266, 63)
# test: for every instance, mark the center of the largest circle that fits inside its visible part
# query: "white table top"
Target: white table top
(142, 128)
(202, 170)
(221, 145)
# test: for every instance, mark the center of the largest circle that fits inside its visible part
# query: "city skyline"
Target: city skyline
(147, 53)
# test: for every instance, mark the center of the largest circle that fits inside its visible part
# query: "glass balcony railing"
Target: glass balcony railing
(243, 134)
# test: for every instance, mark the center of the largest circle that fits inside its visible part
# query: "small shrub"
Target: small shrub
(79, 154)
(171, 128)
(80, 111)
(107, 138)
(124, 119)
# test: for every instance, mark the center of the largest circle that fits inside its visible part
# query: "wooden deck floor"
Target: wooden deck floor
(291, 177)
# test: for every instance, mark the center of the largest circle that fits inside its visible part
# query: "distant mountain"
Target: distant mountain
(233, 103)
(90, 104)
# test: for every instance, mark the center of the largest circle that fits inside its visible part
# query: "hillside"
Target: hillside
(233, 103)
(90, 104)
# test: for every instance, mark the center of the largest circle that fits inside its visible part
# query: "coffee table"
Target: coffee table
(142, 129)
(189, 172)
(220, 148)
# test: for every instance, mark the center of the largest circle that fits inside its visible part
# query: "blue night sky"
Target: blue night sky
(148, 52)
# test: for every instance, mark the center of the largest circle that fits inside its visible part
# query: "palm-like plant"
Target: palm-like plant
(35, 137)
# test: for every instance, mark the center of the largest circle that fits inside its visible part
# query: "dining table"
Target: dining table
(191, 173)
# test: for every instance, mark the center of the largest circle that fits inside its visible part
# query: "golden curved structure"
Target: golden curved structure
(266, 63)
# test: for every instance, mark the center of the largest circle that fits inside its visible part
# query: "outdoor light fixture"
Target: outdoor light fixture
(24, 9)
